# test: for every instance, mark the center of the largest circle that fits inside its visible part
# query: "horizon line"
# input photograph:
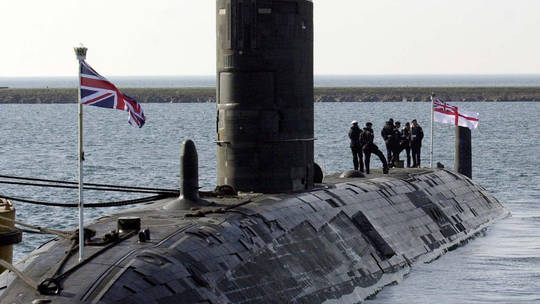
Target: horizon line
(315, 75)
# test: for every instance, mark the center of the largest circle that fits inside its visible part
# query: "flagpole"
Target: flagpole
(80, 52)
(431, 144)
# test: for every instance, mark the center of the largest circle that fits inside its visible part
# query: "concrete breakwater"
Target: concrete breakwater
(322, 94)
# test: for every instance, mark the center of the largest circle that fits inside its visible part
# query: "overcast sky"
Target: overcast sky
(177, 37)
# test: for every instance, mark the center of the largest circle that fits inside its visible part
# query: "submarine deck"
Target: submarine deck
(397, 173)
(343, 240)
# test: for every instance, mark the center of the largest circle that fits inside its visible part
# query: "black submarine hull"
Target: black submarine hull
(339, 243)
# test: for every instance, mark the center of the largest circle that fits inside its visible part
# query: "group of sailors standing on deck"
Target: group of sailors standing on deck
(396, 140)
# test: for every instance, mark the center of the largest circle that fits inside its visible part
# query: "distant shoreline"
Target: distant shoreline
(321, 94)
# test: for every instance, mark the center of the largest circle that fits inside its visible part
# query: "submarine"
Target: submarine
(275, 230)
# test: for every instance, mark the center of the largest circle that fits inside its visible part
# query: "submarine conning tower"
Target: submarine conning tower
(265, 95)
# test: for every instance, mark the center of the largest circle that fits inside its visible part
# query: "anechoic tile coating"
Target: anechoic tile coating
(342, 242)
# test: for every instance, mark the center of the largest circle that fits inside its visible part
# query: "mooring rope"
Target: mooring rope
(22, 276)
(60, 233)
(93, 205)
(53, 284)
(155, 190)
(23, 230)
(87, 187)
(9, 229)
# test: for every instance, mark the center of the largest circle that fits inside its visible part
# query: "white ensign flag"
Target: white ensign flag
(445, 113)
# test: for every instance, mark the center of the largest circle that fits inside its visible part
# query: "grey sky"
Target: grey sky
(177, 37)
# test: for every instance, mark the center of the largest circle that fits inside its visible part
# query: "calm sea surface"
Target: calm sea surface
(502, 267)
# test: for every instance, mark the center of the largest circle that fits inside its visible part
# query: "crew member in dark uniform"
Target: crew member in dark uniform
(394, 142)
(369, 147)
(356, 145)
(405, 142)
(416, 143)
(386, 134)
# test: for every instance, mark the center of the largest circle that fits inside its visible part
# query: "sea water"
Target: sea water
(501, 267)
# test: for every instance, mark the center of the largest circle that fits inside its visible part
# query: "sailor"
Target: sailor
(394, 142)
(356, 145)
(386, 134)
(405, 142)
(416, 143)
(369, 147)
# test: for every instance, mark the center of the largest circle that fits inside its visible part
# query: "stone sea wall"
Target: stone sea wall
(322, 94)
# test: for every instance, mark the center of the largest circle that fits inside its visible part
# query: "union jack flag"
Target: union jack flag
(97, 91)
(444, 108)
(446, 113)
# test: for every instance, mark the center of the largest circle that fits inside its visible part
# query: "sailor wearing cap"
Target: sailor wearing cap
(394, 142)
(386, 133)
(356, 146)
